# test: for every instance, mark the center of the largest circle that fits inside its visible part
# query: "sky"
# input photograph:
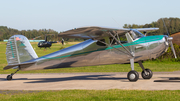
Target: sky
(63, 15)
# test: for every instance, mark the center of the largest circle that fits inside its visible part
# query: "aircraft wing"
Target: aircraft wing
(94, 32)
(98, 33)
(147, 29)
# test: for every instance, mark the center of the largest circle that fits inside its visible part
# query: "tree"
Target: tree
(172, 24)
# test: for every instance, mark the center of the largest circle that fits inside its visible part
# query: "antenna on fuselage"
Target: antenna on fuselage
(119, 26)
(116, 22)
(169, 39)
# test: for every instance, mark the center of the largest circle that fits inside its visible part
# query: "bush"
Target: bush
(169, 56)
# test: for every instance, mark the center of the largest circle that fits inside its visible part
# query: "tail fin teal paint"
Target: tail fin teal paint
(19, 50)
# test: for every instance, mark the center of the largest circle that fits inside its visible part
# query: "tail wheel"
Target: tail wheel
(9, 77)
(133, 76)
(146, 75)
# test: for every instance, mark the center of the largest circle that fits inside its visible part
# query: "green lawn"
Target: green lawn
(91, 95)
(153, 65)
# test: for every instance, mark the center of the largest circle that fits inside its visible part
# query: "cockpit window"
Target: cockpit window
(123, 38)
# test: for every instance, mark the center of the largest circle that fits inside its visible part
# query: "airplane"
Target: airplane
(103, 46)
(45, 44)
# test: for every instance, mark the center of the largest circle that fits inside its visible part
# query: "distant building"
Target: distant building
(176, 38)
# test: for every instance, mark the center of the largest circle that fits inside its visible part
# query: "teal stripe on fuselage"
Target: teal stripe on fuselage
(139, 41)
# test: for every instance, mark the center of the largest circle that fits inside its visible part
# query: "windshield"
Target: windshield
(135, 34)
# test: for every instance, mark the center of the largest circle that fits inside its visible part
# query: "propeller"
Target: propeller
(170, 39)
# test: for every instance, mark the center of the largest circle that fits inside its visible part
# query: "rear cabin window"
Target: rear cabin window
(121, 37)
(100, 42)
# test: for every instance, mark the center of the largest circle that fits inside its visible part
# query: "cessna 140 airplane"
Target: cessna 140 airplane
(104, 46)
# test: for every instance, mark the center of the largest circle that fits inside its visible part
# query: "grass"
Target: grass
(155, 66)
(91, 95)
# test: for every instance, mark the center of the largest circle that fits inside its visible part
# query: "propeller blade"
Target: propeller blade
(172, 48)
(170, 39)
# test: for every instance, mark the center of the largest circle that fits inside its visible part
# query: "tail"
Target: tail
(19, 50)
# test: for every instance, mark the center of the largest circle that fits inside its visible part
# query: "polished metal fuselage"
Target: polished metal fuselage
(89, 53)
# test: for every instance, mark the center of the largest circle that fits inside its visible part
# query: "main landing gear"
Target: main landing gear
(134, 76)
(9, 77)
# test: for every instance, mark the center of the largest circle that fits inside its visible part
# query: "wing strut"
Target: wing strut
(129, 53)
(113, 47)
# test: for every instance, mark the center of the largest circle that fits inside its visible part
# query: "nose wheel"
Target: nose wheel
(133, 76)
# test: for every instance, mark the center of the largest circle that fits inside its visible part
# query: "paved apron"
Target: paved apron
(90, 81)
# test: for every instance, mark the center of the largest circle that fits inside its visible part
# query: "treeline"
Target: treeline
(6, 33)
(172, 24)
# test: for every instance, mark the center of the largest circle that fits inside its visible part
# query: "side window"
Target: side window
(123, 39)
(112, 41)
(120, 37)
(99, 43)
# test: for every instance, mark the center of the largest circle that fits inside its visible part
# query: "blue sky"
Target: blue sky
(62, 15)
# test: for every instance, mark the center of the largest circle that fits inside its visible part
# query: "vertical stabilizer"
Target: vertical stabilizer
(19, 50)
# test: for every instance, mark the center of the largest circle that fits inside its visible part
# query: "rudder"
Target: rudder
(19, 50)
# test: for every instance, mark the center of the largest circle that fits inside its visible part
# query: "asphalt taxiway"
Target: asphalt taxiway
(90, 81)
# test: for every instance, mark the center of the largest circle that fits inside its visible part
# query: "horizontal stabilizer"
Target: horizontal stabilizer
(21, 65)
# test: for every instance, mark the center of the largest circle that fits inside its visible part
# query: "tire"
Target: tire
(149, 74)
(133, 76)
(9, 77)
